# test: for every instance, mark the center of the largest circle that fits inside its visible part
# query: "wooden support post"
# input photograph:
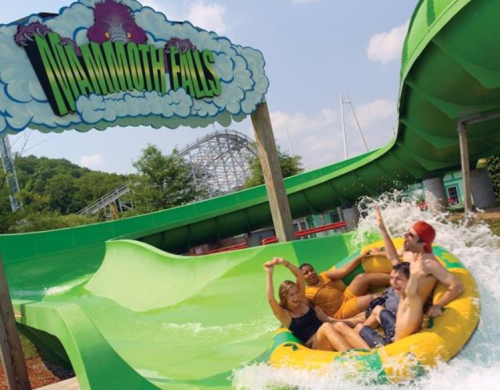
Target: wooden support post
(464, 158)
(14, 365)
(268, 154)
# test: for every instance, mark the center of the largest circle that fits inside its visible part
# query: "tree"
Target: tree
(61, 191)
(49, 189)
(163, 181)
(50, 221)
(290, 166)
(94, 185)
(5, 209)
(493, 165)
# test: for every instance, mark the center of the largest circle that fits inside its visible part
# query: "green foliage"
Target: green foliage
(163, 181)
(494, 226)
(48, 221)
(95, 185)
(57, 185)
(51, 189)
(493, 165)
(61, 193)
(130, 213)
(5, 210)
(290, 166)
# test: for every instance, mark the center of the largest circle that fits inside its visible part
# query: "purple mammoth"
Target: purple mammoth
(115, 22)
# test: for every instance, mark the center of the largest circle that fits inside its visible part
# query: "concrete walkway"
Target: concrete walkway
(70, 384)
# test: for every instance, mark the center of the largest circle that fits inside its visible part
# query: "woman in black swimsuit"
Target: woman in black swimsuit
(310, 325)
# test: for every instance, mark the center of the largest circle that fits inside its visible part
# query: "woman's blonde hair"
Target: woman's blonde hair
(285, 287)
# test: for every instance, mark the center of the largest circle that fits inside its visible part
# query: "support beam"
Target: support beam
(482, 189)
(268, 154)
(14, 365)
(435, 194)
(464, 158)
(351, 218)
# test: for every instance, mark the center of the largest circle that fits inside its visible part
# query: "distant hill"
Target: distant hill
(51, 188)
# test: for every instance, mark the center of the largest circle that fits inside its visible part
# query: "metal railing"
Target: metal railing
(106, 200)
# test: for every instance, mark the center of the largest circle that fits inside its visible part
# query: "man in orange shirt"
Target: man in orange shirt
(328, 292)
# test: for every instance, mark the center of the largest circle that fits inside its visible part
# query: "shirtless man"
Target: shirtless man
(328, 292)
(418, 248)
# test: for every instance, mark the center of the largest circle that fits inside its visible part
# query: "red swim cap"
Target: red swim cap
(426, 233)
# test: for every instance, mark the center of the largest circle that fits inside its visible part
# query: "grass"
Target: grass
(494, 225)
(29, 349)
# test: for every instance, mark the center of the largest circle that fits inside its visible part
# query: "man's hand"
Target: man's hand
(378, 216)
(371, 252)
(435, 311)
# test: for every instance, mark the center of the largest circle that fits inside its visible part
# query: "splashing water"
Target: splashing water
(476, 366)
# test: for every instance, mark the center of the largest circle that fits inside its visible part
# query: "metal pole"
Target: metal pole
(289, 142)
(357, 122)
(464, 158)
(10, 172)
(343, 126)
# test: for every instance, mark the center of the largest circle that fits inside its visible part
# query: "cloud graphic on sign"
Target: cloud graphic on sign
(23, 102)
(94, 108)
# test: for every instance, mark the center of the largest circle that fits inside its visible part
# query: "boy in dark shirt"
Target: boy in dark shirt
(384, 309)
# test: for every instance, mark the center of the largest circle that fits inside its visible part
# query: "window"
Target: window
(453, 196)
(335, 217)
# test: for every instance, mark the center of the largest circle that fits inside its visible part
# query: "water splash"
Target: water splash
(50, 291)
(476, 366)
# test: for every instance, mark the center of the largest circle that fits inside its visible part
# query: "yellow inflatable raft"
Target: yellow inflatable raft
(439, 340)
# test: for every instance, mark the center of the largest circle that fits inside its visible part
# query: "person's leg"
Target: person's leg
(357, 319)
(358, 328)
(328, 339)
(373, 320)
(376, 313)
(363, 282)
(388, 324)
(350, 335)
(353, 305)
(371, 337)
(363, 302)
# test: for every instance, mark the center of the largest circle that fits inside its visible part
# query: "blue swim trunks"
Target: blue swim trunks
(388, 324)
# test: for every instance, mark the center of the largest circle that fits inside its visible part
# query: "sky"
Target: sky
(315, 50)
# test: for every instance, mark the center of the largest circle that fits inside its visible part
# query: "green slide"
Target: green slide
(128, 314)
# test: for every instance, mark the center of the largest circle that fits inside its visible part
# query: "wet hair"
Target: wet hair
(404, 268)
(302, 266)
(283, 290)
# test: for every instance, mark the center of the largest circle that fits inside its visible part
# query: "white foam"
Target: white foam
(50, 291)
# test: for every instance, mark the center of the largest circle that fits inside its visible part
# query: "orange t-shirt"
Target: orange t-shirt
(327, 294)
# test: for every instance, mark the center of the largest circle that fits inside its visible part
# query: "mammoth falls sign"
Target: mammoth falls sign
(103, 63)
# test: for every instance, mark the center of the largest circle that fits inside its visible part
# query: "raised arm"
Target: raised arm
(411, 293)
(278, 311)
(391, 252)
(345, 270)
(301, 281)
(455, 286)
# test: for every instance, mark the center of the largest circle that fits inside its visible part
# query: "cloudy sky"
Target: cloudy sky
(315, 50)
